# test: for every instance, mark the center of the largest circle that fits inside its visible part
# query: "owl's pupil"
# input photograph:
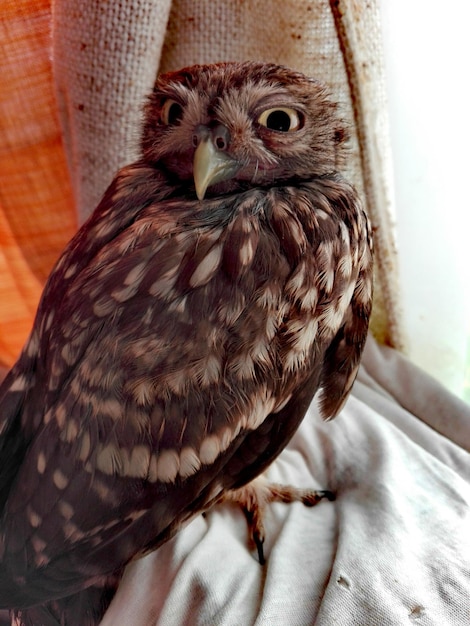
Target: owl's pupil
(278, 120)
(175, 113)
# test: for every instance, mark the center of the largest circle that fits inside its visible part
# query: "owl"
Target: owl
(224, 279)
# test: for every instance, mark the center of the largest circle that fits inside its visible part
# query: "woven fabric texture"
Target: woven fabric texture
(105, 61)
(338, 42)
(37, 214)
(91, 64)
(394, 547)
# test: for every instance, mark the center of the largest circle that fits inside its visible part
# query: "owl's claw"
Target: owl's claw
(259, 547)
(254, 497)
(312, 497)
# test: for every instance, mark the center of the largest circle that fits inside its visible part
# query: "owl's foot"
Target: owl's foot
(256, 495)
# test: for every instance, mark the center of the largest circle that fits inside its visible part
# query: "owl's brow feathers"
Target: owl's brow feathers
(235, 94)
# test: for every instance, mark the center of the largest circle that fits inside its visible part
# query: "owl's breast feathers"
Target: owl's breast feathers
(176, 350)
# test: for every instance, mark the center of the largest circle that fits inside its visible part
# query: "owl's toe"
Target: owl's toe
(253, 498)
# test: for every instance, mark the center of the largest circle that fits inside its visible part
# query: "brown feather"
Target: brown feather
(179, 342)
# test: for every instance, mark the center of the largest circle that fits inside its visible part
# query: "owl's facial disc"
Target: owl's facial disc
(212, 164)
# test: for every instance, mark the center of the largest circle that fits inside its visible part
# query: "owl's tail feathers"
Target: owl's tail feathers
(35, 615)
(85, 608)
(5, 618)
(14, 594)
(335, 393)
(342, 357)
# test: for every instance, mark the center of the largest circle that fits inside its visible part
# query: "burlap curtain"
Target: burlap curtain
(75, 74)
(393, 549)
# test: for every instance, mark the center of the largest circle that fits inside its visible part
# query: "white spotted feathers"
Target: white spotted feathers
(223, 280)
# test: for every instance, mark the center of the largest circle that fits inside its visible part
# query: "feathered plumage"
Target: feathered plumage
(223, 279)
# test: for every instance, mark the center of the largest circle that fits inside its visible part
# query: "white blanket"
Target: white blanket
(393, 549)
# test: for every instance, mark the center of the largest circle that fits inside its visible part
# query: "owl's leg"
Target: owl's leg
(256, 495)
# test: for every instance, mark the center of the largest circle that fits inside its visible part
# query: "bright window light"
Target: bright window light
(427, 56)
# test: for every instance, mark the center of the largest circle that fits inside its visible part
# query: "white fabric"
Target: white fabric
(393, 549)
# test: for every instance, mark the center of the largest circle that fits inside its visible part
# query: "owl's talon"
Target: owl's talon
(254, 497)
(313, 497)
(259, 542)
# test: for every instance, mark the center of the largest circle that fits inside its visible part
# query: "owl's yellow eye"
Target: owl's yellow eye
(171, 112)
(281, 119)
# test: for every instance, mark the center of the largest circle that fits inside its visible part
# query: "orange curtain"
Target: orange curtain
(37, 214)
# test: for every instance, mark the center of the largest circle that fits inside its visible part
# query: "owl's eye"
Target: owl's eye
(281, 119)
(171, 113)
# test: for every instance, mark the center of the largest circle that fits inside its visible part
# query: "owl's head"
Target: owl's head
(232, 125)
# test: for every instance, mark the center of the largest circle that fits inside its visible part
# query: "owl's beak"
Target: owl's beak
(211, 164)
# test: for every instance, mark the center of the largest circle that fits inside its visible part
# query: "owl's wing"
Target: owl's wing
(342, 358)
(131, 191)
(23, 391)
(128, 415)
(12, 442)
(155, 383)
(127, 195)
